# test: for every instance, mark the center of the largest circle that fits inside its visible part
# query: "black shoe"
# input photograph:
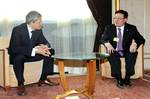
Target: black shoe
(21, 90)
(127, 83)
(120, 84)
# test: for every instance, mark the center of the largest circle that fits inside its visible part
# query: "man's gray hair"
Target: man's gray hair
(32, 16)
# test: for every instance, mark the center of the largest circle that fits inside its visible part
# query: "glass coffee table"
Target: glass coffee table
(90, 58)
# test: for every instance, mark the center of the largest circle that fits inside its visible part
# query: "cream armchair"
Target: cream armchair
(32, 70)
(139, 66)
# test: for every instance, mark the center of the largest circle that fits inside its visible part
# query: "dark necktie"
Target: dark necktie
(119, 47)
(31, 34)
(31, 38)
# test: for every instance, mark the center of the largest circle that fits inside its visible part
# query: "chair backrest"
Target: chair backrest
(4, 42)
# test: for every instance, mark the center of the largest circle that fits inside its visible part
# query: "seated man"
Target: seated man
(122, 40)
(28, 44)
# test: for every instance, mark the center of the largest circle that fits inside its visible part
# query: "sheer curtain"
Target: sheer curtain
(68, 24)
(76, 35)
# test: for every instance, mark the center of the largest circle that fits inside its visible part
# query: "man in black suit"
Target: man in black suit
(122, 40)
(28, 44)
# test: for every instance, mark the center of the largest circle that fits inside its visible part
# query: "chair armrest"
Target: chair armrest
(6, 69)
(102, 48)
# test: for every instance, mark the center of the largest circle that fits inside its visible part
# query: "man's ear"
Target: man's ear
(126, 19)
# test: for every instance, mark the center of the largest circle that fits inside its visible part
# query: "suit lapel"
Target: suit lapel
(27, 37)
(26, 32)
(114, 31)
(125, 34)
(34, 36)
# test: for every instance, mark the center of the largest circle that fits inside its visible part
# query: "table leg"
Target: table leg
(91, 76)
(62, 75)
(88, 90)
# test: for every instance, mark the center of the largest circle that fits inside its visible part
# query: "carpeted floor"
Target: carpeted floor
(104, 89)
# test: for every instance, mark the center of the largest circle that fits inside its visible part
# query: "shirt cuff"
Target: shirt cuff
(33, 52)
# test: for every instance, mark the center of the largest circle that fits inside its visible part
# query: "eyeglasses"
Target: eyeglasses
(115, 18)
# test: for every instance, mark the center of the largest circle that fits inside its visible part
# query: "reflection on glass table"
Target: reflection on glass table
(81, 56)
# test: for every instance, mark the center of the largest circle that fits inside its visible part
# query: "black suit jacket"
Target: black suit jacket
(130, 33)
(20, 43)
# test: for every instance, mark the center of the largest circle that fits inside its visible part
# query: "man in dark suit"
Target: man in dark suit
(122, 40)
(28, 44)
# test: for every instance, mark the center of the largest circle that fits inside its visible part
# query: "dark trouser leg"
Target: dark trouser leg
(130, 59)
(18, 67)
(115, 63)
(47, 68)
(19, 61)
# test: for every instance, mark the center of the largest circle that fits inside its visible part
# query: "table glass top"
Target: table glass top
(81, 56)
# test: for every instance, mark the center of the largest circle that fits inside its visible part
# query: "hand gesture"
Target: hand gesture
(43, 50)
(133, 46)
(109, 47)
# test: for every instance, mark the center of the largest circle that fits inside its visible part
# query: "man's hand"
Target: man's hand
(133, 47)
(43, 46)
(109, 47)
(43, 50)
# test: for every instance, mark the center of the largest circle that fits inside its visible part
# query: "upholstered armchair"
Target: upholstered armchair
(139, 66)
(32, 70)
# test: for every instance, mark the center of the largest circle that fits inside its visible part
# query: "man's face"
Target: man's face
(119, 20)
(37, 25)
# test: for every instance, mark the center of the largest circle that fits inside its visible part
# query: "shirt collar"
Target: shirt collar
(29, 28)
(122, 27)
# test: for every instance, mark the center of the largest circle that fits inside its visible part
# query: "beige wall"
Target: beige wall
(139, 15)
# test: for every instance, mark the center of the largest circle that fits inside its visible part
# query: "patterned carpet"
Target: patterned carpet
(104, 89)
(147, 76)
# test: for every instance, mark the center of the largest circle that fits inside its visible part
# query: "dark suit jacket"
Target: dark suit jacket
(20, 43)
(130, 33)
